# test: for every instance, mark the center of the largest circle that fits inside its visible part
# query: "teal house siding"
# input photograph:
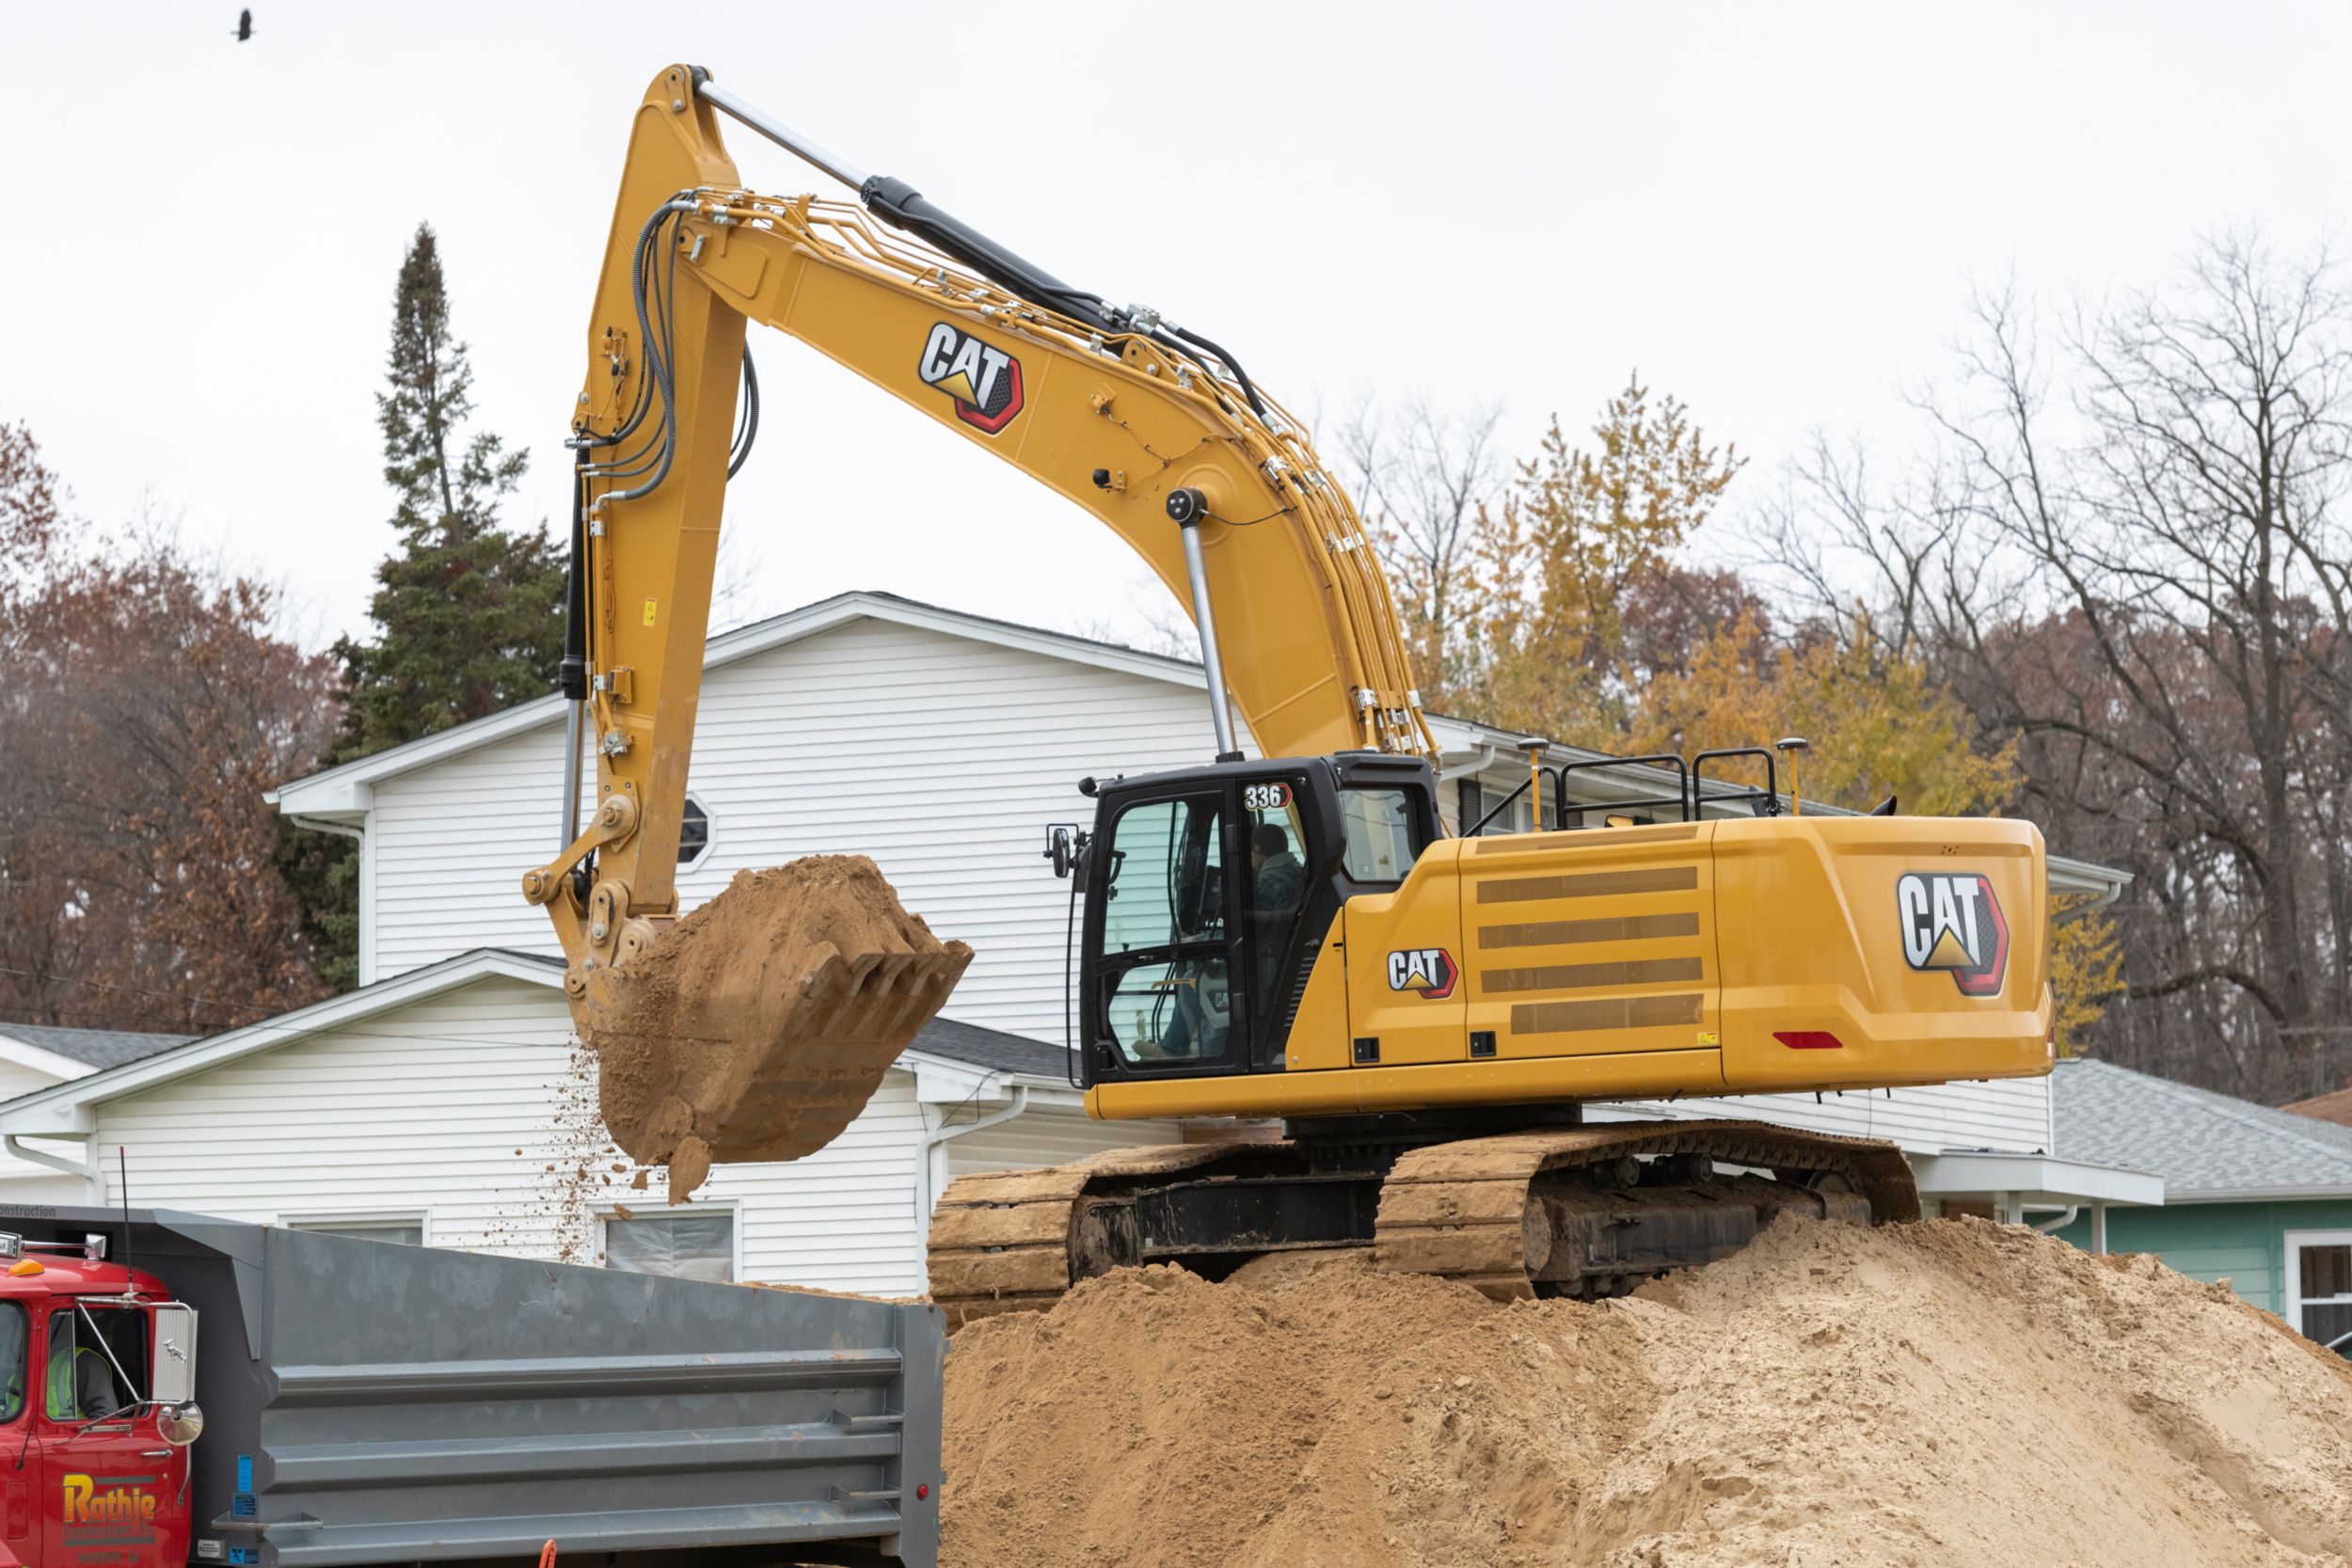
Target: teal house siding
(2242, 1242)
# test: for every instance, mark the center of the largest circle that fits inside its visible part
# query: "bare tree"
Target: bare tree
(2130, 552)
(1421, 478)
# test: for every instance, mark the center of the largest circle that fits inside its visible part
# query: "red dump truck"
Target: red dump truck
(362, 1403)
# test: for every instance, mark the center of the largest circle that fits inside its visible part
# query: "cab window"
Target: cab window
(85, 1346)
(1378, 826)
(1165, 984)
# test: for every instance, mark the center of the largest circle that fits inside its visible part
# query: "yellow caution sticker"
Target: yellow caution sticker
(1708, 1037)
(649, 612)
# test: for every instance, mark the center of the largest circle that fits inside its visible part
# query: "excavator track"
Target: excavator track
(1478, 1210)
(1012, 1240)
(1580, 1211)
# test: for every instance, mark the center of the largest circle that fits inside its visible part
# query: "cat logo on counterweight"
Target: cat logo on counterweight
(984, 380)
(1952, 921)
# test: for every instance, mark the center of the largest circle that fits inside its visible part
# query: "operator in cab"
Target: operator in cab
(1278, 889)
(80, 1387)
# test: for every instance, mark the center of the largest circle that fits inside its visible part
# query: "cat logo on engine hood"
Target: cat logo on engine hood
(1951, 920)
(984, 380)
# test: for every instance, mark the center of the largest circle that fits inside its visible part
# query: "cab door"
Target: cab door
(1162, 991)
(109, 1489)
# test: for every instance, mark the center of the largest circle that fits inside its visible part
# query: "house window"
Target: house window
(2319, 1287)
(1469, 804)
(683, 1246)
(408, 1229)
(693, 835)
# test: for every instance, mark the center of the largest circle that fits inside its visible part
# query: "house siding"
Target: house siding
(2242, 1242)
(465, 1108)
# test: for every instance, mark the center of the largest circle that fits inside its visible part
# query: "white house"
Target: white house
(442, 1102)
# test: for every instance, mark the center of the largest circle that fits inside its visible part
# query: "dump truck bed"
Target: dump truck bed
(371, 1402)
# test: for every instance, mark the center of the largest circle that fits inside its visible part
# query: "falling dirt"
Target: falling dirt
(1953, 1393)
(759, 1026)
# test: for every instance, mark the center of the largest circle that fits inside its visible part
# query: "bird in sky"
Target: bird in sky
(245, 25)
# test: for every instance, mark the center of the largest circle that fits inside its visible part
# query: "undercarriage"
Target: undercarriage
(1515, 1205)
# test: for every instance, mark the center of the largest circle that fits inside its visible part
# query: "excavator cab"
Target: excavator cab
(1210, 893)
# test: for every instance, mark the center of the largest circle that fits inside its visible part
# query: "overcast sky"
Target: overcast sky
(1772, 212)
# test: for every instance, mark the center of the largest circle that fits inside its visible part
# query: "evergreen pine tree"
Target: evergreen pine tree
(467, 615)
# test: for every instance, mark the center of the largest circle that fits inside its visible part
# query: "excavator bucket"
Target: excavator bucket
(759, 1026)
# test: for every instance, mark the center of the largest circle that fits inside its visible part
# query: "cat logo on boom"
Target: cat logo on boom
(984, 380)
(1952, 921)
(1427, 970)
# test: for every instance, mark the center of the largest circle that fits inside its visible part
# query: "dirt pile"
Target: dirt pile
(759, 1026)
(1948, 1393)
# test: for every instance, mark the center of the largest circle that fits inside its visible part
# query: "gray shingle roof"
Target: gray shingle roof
(993, 1049)
(2207, 1146)
(99, 1048)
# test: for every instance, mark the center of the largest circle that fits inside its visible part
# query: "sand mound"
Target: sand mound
(1948, 1393)
(761, 1024)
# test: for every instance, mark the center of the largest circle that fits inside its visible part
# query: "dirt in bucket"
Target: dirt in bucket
(760, 1024)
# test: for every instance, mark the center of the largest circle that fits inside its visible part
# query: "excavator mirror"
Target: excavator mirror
(1066, 846)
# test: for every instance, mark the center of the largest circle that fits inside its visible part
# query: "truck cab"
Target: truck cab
(94, 1463)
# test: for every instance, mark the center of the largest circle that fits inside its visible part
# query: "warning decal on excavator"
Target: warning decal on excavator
(984, 380)
(1427, 970)
(1952, 921)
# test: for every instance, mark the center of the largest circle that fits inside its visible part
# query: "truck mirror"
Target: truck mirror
(171, 1379)
(180, 1424)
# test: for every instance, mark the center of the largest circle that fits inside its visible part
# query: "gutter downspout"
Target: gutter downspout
(320, 825)
(92, 1181)
(2051, 1227)
(934, 1137)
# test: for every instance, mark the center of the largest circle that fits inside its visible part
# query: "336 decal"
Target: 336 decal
(984, 380)
(1951, 920)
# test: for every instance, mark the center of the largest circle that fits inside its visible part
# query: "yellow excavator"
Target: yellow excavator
(1293, 935)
